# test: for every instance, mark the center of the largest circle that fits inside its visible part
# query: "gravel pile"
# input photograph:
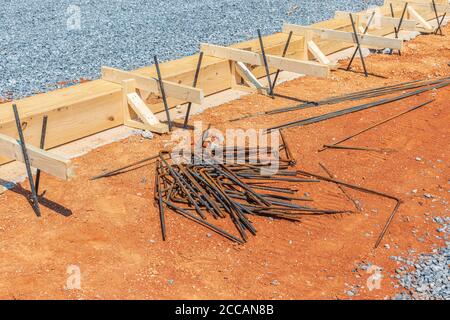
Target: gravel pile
(430, 279)
(38, 52)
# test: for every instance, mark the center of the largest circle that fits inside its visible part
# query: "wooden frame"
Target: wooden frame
(241, 71)
(319, 55)
(441, 6)
(370, 41)
(90, 107)
(130, 99)
(45, 161)
(381, 21)
(414, 14)
(174, 90)
(253, 58)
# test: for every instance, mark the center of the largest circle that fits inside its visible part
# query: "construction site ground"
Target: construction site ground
(110, 228)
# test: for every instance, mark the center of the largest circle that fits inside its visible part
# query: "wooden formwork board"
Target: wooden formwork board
(92, 107)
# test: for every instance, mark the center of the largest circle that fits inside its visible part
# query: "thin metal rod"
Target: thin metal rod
(119, 170)
(286, 47)
(362, 107)
(354, 96)
(27, 162)
(42, 146)
(266, 65)
(437, 19)
(352, 186)
(365, 31)
(440, 23)
(158, 195)
(393, 16)
(399, 27)
(358, 45)
(355, 203)
(379, 123)
(163, 93)
(194, 84)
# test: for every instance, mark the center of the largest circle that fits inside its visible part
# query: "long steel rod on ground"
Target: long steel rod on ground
(365, 94)
(26, 159)
(194, 84)
(286, 47)
(266, 65)
(376, 125)
(42, 146)
(163, 93)
(355, 203)
(365, 31)
(358, 45)
(362, 189)
(119, 170)
(343, 112)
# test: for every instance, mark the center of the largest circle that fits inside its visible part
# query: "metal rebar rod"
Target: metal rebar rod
(332, 146)
(399, 27)
(159, 196)
(379, 123)
(266, 65)
(440, 24)
(365, 31)
(358, 45)
(163, 93)
(393, 16)
(194, 84)
(287, 150)
(354, 96)
(119, 170)
(437, 19)
(362, 107)
(286, 47)
(26, 159)
(42, 146)
(362, 189)
(203, 222)
(356, 204)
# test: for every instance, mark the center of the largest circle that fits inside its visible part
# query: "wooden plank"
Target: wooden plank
(250, 78)
(441, 6)
(418, 1)
(45, 161)
(419, 19)
(318, 54)
(84, 110)
(158, 128)
(172, 89)
(380, 21)
(253, 58)
(141, 109)
(128, 86)
(365, 40)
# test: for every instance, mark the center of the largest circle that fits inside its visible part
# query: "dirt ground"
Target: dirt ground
(110, 228)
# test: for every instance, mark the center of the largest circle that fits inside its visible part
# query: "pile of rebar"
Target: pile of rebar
(209, 190)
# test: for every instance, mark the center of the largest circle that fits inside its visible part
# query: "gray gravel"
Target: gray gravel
(427, 278)
(37, 50)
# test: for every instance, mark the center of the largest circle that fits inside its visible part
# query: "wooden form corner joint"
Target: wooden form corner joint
(136, 113)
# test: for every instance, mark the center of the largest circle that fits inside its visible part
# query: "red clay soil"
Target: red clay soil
(112, 231)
